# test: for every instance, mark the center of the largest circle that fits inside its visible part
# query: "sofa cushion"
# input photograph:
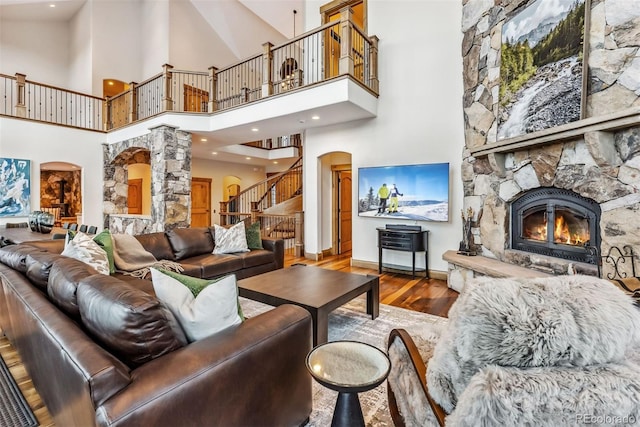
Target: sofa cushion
(157, 244)
(39, 266)
(194, 270)
(230, 240)
(106, 243)
(15, 256)
(254, 240)
(213, 265)
(64, 277)
(256, 257)
(83, 248)
(189, 242)
(202, 307)
(132, 324)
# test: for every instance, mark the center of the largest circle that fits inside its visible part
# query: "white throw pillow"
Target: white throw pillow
(213, 310)
(84, 249)
(230, 240)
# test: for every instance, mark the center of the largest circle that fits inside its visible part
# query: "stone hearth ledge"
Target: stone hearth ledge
(463, 268)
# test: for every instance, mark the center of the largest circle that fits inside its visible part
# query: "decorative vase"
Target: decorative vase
(33, 220)
(45, 222)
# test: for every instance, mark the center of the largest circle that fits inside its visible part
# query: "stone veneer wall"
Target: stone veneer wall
(50, 189)
(169, 153)
(603, 166)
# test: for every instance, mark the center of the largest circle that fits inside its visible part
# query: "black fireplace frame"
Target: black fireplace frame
(555, 198)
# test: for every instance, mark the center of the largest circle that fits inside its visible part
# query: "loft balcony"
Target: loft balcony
(330, 72)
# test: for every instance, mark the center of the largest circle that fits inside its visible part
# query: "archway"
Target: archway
(336, 189)
(61, 191)
(168, 150)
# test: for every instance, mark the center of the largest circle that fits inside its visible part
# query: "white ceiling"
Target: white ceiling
(39, 10)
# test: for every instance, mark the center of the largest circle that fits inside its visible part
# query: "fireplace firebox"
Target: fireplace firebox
(556, 222)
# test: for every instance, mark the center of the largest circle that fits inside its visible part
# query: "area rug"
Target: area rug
(14, 409)
(351, 322)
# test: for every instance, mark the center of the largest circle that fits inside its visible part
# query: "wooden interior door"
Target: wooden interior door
(344, 211)
(134, 197)
(200, 202)
(195, 99)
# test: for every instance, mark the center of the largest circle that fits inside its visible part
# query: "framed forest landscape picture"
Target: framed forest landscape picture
(15, 187)
(541, 71)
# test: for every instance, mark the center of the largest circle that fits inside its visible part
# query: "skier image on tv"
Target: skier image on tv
(393, 199)
(383, 193)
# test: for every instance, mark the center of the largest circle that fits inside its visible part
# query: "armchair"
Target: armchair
(555, 351)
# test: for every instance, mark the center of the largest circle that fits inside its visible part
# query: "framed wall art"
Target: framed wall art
(542, 77)
(15, 187)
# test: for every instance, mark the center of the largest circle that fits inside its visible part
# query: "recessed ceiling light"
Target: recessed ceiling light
(275, 162)
(203, 139)
(248, 158)
(52, 5)
(255, 129)
(110, 83)
(315, 117)
(214, 153)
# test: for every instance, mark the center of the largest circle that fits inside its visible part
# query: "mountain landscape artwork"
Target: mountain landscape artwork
(541, 67)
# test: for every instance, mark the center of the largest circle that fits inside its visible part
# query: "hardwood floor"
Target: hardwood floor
(425, 295)
(420, 294)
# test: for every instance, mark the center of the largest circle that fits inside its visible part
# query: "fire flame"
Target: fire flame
(561, 232)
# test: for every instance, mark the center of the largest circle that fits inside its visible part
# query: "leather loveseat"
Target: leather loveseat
(103, 351)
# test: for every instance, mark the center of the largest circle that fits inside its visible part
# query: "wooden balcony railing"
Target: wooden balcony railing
(335, 49)
(22, 98)
(279, 142)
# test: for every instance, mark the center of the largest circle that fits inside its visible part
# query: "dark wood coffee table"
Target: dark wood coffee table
(318, 290)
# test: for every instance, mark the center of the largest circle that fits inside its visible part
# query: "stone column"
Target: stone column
(170, 178)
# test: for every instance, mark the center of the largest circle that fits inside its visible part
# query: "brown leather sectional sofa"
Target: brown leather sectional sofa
(104, 351)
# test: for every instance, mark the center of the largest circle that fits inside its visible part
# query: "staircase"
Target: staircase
(274, 202)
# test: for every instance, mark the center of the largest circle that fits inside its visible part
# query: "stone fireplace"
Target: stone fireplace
(586, 172)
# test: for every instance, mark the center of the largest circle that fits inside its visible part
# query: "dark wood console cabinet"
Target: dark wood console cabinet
(406, 238)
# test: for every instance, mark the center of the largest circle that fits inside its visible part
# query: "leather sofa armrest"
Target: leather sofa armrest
(250, 374)
(277, 247)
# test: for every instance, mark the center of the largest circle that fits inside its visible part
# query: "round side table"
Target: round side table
(348, 367)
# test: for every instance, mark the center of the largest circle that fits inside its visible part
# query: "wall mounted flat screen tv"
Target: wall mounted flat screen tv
(413, 192)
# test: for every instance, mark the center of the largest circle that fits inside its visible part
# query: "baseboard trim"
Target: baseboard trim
(433, 274)
(313, 256)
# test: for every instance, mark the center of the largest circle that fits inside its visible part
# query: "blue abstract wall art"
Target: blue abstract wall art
(15, 187)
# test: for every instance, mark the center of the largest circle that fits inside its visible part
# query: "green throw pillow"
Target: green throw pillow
(106, 242)
(196, 285)
(254, 240)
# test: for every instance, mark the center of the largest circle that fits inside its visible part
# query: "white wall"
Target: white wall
(202, 168)
(80, 54)
(420, 120)
(154, 25)
(116, 50)
(37, 49)
(42, 143)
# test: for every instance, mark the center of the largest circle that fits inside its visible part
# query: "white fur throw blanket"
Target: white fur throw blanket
(131, 258)
(573, 335)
